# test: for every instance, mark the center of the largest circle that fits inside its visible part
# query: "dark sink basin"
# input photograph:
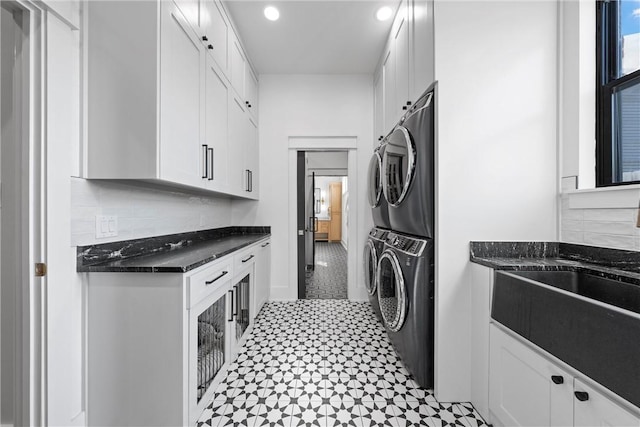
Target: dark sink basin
(589, 322)
(619, 294)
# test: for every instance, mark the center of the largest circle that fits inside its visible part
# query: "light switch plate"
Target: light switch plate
(106, 226)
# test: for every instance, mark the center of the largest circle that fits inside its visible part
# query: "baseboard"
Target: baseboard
(344, 244)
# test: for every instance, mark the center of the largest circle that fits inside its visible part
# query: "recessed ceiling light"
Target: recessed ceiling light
(384, 13)
(271, 13)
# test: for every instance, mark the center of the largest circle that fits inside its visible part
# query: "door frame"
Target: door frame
(28, 381)
(324, 143)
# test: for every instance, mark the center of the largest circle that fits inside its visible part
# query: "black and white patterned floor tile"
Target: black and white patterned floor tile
(325, 363)
(329, 278)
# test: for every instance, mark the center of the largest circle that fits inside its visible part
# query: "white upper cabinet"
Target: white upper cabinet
(406, 66)
(238, 64)
(401, 46)
(378, 109)
(170, 94)
(391, 115)
(251, 91)
(252, 157)
(215, 151)
(215, 32)
(181, 84)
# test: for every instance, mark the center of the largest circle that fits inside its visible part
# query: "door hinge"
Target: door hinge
(41, 269)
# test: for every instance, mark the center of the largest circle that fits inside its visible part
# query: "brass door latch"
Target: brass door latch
(41, 269)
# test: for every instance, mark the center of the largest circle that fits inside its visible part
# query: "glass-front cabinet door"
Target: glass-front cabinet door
(242, 294)
(209, 346)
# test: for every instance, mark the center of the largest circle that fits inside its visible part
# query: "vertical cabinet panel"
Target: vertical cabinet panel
(216, 30)
(252, 158)
(236, 146)
(390, 105)
(215, 156)
(251, 92)
(238, 63)
(401, 47)
(181, 65)
(378, 110)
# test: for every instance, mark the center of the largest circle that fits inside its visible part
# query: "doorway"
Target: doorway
(323, 197)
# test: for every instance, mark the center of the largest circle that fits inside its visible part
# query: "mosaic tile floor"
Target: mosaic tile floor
(325, 363)
(329, 279)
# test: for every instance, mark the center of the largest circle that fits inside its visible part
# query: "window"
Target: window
(618, 92)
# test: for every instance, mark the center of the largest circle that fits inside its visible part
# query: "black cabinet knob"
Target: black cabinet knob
(404, 107)
(246, 102)
(205, 39)
(582, 396)
(408, 102)
(209, 46)
(249, 105)
(557, 379)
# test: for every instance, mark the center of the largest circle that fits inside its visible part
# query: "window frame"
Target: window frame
(607, 64)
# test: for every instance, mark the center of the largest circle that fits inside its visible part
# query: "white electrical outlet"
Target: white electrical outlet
(106, 226)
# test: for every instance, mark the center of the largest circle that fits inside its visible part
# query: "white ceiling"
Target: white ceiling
(311, 36)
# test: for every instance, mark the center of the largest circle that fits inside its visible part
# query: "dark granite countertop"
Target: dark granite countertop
(175, 253)
(616, 264)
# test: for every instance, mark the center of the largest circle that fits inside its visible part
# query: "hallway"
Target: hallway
(329, 279)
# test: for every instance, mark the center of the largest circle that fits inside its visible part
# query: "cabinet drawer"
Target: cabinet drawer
(245, 258)
(206, 281)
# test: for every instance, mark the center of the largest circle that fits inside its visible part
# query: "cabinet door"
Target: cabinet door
(190, 9)
(241, 308)
(389, 76)
(522, 391)
(236, 167)
(238, 63)
(216, 30)
(181, 66)
(216, 129)
(251, 91)
(378, 110)
(262, 277)
(401, 46)
(598, 410)
(252, 158)
(421, 47)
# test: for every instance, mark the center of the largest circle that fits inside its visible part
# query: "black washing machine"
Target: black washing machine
(406, 298)
(408, 169)
(372, 252)
(378, 203)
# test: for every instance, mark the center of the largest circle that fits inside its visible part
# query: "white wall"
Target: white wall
(142, 211)
(307, 105)
(495, 62)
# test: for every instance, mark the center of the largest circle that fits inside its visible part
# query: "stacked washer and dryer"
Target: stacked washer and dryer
(399, 254)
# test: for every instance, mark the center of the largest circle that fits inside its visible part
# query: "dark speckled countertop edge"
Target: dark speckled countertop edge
(613, 264)
(177, 253)
(100, 268)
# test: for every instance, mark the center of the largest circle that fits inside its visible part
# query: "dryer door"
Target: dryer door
(392, 293)
(398, 164)
(374, 190)
(370, 265)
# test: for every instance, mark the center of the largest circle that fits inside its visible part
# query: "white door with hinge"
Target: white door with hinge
(64, 317)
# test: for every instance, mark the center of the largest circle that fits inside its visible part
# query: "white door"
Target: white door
(181, 66)
(595, 409)
(64, 296)
(389, 76)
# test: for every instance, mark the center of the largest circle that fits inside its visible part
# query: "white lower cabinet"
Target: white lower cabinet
(263, 276)
(529, 389)
(159, 343)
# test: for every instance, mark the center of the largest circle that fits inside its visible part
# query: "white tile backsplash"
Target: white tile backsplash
(612, 228)
(142, 211)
